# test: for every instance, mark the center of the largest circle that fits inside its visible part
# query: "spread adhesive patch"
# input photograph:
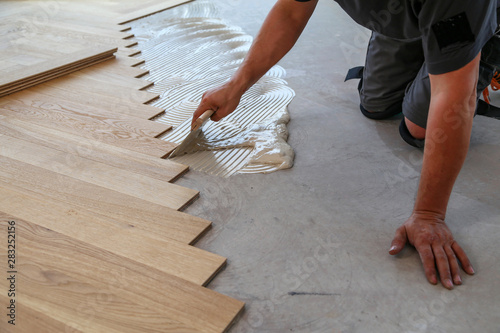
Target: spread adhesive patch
(188, 52)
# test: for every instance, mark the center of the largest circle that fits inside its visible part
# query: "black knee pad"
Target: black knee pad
(390, 112)
(408, 138)
(357, 73)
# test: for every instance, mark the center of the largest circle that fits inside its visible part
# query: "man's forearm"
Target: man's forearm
(447, 137)
(278, 34)
(447, 143)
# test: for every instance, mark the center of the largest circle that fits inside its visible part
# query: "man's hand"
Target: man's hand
(223, 100)
(435, 244)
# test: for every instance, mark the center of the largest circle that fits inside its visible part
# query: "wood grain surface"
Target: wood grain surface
(159, 221)
(101, 245)
(111, 131)
(98, 151)
(97, 173)
(112, 279)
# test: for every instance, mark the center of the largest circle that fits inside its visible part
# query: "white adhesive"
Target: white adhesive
(267, 139)
(188, 52)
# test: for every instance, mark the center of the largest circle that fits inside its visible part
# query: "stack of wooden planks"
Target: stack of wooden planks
(42, 40)
(94, 239)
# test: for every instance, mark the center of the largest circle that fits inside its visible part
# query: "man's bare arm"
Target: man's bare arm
(281, 29)
(453, 102)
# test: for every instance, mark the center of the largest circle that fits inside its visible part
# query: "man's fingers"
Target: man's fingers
(454, 267)
(427, 258)
(443, 266)
(216, 116)
(199, 111)
(399, 241)
(464, 260)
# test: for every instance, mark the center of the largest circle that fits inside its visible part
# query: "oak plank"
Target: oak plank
(147, 9)
(51, 297)
(119, 75)
(110, 132)
(51, 75)
(19, 76)
(177, 259)
(83, 83)
(179, 300)
(120, 105)
(49, 99)
(29, 320)
(127, 212)
(162, 169)
(97, 173)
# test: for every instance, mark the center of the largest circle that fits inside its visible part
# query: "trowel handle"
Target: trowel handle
(201, 119)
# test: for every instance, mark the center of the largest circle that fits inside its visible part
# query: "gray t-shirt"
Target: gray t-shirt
(453, 32)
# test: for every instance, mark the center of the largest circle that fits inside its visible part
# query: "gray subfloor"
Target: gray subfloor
(307, 247)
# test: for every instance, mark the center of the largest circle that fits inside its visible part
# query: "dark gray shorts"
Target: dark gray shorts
(395, 73)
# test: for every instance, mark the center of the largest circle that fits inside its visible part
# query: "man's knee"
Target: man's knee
(379, 115)
(416, 131)
(416, 137)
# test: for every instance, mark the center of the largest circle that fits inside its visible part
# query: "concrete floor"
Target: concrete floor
(307, 247)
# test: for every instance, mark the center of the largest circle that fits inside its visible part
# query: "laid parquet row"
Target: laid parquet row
(71, 278)
(101, 243)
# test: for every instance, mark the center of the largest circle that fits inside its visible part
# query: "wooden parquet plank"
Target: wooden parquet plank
(116, 77)
(176, 299)
(88, 29)
(105, 130)
(127, 52)
(147, 9)
(169, 256)
(47, 34)
(100, 174)
(55, 100)
(34, 74)
(111, 70)
(82, 83)
(50, 76)
(118, 105)
(126, 61)
(143, 164)
(32, 320)
(158, 222)
(58, 298)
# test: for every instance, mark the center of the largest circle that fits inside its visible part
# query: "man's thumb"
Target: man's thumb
(399, 240)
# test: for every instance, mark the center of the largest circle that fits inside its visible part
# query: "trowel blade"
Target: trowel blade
(185, 143)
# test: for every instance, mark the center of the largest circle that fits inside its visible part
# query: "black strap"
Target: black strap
(487, 110)
(355, 73)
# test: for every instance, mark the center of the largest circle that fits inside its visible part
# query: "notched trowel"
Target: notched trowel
(195, 132)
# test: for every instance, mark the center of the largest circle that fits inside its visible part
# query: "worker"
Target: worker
(424, 60)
